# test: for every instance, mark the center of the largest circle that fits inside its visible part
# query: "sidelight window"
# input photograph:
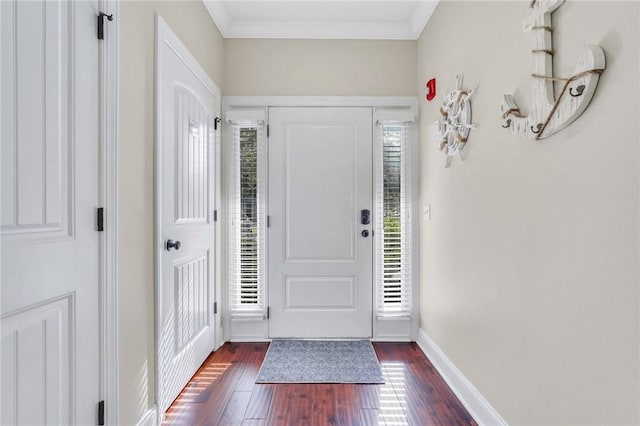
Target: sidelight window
(394, 220)
(247, 263)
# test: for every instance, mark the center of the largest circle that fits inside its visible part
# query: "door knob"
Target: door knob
(173, 244)
(365, 233)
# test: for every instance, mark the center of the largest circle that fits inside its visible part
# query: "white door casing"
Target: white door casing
(50, 187)
(320, 264)
(187, 102)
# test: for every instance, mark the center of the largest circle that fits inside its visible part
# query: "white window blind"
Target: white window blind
(247, 225)
(393, 219)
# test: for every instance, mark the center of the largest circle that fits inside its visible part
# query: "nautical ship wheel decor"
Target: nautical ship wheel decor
(550, 114)
(454, 124)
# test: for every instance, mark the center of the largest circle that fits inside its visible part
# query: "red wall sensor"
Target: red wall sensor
(430, 89)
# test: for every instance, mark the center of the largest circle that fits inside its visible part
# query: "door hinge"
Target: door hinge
(215, 215)
(215, 123)
(101, 17)
(215, 307)
(100, 219)
(101, 413)
(268, 311)
(267, 130)
(268, 221)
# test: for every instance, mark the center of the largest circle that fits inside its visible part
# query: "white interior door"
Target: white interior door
(187, 102)
(50, 187)
(320, 254)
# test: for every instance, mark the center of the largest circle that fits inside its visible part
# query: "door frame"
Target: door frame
(255, 329)
(108, 178)
(164, 33)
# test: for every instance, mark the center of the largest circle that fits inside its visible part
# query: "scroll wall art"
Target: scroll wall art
(549, 113)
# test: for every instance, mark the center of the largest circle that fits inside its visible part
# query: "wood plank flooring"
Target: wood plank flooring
(223, 392)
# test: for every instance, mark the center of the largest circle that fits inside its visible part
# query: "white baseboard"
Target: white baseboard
(150, 418)
(474, 402)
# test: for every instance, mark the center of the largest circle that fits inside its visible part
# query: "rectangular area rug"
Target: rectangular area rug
(320, 361)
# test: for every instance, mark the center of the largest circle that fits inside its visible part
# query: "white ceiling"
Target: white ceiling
(325, 19)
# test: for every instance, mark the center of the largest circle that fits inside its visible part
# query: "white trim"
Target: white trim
(237, 330)
(421, 17)
(223, 221)
(108, 196)
(387, 339)
(241, 116)
(233, 102)
(150, 418)
(471, 398)
(409, 30)
(219, 232)
(417, 249)
(385, 116)
(250, 339)
(219, 15)
(320, 30)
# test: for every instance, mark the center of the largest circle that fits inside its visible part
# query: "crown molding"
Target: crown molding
(218, 13)
(410, 30)
(421, 17)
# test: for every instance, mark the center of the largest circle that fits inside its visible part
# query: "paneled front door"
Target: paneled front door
(320, 244)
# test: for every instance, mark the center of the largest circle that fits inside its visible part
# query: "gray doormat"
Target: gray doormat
(320, 361)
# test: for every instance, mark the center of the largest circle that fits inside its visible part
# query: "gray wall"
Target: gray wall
(192, 23)
(530, 263)
(319, 67)
(255, 67)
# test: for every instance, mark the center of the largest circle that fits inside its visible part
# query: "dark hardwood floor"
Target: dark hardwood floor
(223, 392)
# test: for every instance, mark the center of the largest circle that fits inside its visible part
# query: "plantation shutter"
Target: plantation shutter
(393, 224)
(247, 215)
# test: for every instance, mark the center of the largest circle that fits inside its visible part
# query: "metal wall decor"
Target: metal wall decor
(549, 113)
(454, 123)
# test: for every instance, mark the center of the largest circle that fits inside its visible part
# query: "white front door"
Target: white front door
(187, 103)
(50, 186)
(320, 252)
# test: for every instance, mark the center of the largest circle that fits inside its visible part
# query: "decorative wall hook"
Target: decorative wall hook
(454, 123)
(549, 113)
